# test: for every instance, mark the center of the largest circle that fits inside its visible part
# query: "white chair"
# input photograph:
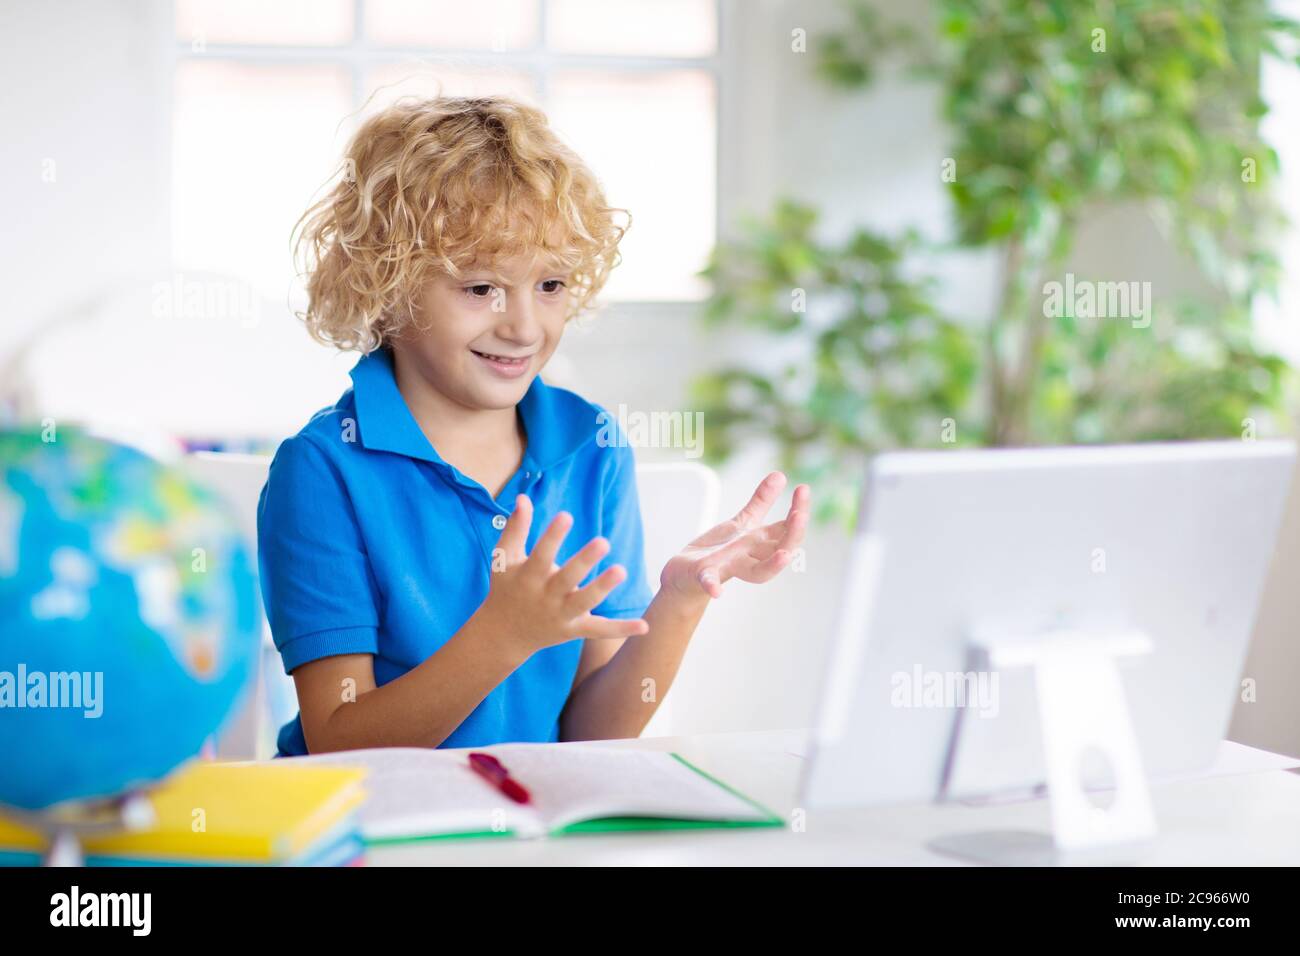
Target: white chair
(250, 734)
(678, 501)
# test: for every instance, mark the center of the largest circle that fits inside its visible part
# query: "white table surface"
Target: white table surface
(1244, 811)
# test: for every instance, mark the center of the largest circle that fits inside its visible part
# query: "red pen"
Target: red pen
(492, 770)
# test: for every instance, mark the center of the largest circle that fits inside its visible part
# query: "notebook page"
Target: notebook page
(413, 792)
(571, 784)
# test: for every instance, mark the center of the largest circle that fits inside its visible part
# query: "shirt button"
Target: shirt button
(498, 521)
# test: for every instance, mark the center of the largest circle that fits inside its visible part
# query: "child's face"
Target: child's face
(488, 334)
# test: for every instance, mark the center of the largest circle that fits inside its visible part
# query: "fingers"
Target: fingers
(765, 495)
(548, 545)
(769, 567)
(576, 568)
(762, 554)
(514, 537)
(583, 600)
(591, 626)
(791, 534)
(796, 522)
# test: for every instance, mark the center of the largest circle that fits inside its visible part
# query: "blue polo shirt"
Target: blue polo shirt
(370, 543)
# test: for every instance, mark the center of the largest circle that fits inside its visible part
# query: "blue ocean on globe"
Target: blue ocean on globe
(129, 620)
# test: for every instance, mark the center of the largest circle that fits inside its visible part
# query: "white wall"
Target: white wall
(84, 86)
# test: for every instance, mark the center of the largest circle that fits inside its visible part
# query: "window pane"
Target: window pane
(635, 27)
(251, 146)
(616, 122)
(495, 25)
(310, 22)
(391, 82)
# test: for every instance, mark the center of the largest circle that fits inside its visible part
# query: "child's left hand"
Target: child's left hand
(741, 548)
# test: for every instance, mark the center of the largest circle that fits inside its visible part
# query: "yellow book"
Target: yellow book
(240, 813)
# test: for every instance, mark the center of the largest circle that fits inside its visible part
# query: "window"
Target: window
(266, 95)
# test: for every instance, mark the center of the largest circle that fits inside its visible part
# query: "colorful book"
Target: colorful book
(228, 814)
(425, 794)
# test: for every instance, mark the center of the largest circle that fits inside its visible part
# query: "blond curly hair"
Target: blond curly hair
(433, 186)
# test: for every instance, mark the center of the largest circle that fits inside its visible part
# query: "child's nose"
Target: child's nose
(518, 322)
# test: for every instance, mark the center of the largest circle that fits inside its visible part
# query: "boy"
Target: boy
(449, 557)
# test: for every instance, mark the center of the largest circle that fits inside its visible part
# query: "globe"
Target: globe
(129, 619)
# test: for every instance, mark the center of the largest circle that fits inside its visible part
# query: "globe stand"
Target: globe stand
(65, 825)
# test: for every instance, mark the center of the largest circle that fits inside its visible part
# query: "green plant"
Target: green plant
(1057, 111)
(870, 362)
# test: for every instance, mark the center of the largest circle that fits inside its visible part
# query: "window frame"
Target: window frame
(360, 54)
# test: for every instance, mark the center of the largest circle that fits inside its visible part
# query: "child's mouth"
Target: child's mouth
(503, 365)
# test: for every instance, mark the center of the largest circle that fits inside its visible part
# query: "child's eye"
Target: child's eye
(480, 291)
(551, 286)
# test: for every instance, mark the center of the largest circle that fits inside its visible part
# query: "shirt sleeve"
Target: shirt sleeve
(621, 525)
(317, 584)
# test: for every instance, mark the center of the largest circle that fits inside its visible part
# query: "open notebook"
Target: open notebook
(421, 794)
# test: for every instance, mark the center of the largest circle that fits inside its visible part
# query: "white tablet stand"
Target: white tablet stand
(1083, 717)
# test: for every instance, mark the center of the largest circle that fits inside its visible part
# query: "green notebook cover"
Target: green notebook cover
(613, 824)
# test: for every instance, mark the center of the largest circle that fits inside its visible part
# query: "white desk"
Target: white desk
(1246, 816)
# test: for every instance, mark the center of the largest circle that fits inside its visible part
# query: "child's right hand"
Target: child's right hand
(532, 603)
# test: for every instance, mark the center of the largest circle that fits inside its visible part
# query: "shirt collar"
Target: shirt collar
(556, 421)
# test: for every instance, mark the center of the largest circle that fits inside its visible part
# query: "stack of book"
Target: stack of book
(224, 814)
